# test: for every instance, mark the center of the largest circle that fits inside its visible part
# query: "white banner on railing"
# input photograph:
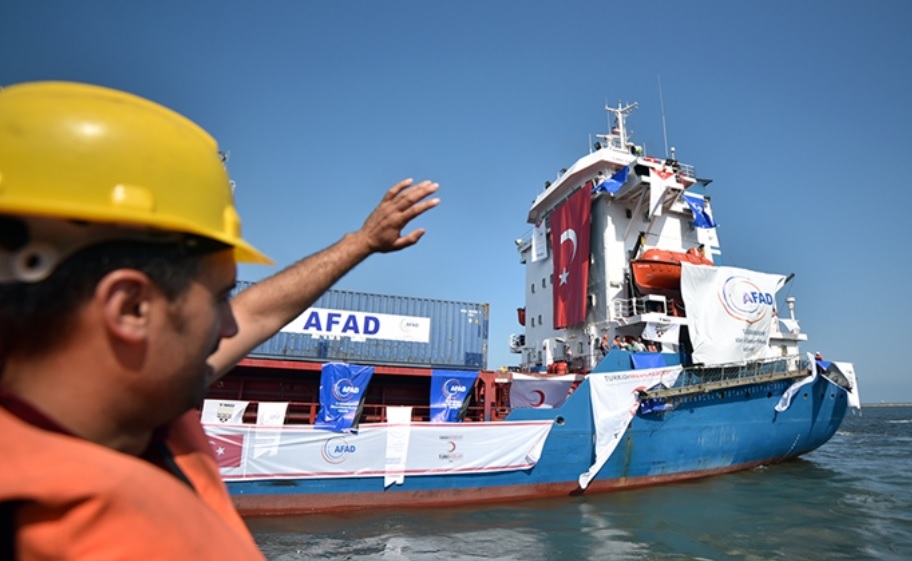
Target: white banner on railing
(614, 398)
(539, 242)
(269, 414)
(729, 312)
(786, 400)
(399, 423)
(433, 449)
(223, 411)
(538, 392)
(848, 370)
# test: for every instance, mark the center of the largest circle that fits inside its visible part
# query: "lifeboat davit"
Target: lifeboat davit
(660, 269)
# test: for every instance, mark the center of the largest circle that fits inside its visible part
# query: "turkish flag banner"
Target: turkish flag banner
(570, 248)
(228, 449)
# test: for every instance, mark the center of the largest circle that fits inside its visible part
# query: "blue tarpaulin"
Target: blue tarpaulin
(647, 360)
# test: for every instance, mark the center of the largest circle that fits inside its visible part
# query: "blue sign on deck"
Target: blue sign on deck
(449, 391)
(342, 390)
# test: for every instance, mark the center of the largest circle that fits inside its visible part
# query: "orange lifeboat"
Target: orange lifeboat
(660, 269)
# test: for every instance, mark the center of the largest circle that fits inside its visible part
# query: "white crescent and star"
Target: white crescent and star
(567, 235)
(219, 450)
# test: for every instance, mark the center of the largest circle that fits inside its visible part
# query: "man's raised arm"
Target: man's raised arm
(267, 306)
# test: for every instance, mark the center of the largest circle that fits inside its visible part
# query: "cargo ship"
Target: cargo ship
(642, 360)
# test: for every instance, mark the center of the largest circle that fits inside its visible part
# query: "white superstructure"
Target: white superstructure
(646, 210)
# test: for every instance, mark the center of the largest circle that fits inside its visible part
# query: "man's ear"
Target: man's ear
(125, 299)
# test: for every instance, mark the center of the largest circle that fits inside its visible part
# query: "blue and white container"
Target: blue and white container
(360, 327)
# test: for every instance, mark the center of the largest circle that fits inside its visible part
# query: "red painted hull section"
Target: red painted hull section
(290, 504)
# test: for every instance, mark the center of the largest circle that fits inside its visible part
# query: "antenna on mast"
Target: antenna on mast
(662, 105)
(607, 117)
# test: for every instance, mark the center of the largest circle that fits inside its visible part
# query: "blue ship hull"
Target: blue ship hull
(704, 434)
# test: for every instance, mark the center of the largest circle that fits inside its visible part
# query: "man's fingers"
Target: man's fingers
(396, 189)
(405, 198)
(410, 239)
(403, 202)
(420, 208)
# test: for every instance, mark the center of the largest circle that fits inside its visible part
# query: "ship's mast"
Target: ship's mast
(620, 122)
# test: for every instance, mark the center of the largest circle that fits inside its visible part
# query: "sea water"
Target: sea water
(851, 499)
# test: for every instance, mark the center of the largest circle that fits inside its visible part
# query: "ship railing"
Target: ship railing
(525, 240)
(688, 170)
(705, 379)
(624, 308)
(303, 413)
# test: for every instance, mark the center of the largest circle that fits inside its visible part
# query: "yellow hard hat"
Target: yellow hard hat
(83, 152)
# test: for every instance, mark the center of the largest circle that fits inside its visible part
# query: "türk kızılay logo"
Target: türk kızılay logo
(337, 450)
(453, 387)
(744, 301)
(345, 390)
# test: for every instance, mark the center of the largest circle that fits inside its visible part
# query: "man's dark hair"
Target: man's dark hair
(34, 316)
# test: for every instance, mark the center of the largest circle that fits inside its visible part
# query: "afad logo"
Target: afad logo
(409, 325)
(453, 388)
(744, 301)
(336, 450)
(345, 390)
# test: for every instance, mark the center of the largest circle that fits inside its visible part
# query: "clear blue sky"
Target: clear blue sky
(799, 112)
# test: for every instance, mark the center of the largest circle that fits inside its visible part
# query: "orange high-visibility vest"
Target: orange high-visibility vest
(78, 500)
(191, 450)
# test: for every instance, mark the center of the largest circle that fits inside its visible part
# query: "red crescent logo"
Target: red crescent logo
(541, 398)
(452, 446)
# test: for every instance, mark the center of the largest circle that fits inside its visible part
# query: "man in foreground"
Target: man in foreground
(118, 244)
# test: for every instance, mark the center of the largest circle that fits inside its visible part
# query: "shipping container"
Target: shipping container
(380, 329)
